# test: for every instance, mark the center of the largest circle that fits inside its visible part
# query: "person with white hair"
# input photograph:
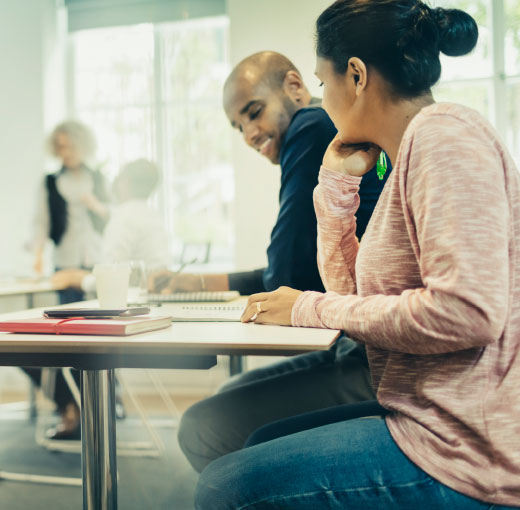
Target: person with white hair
(72, 211)
(72, 206)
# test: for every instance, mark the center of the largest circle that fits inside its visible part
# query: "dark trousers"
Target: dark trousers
(62, 394)
(222, 423)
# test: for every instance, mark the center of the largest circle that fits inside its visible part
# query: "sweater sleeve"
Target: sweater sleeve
(336, 201)
(455, 201)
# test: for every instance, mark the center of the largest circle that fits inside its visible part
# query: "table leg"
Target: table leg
(33, 410)
(98, 440)
(236, 364)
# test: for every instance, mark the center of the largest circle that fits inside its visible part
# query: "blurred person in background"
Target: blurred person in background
(72, 211)
(72, 208)
(135, 231)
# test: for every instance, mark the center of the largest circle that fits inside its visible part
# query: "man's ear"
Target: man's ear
(357, 71)
(293, 86)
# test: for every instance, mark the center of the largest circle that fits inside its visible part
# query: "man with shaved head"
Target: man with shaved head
(266, 100)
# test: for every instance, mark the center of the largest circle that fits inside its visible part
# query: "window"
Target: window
(512, 76)
(154, 91)
(488, 79)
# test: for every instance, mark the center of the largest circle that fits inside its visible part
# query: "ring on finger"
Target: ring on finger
(258, 307)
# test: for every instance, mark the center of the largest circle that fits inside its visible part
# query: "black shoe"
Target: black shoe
(60, 434)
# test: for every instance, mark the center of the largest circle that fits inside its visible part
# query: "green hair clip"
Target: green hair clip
(381, 166)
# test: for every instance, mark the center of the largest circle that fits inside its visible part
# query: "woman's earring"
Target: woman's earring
(381, 166)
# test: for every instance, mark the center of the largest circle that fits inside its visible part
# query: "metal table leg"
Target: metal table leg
(33, 410)
(98, 440)
(236, 364)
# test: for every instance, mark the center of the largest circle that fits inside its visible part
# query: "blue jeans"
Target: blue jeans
(354, 465)
(313, 420)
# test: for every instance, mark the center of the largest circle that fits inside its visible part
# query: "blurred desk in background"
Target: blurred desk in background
(26, 287)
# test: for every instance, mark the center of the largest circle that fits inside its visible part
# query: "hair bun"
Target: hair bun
(458, 31)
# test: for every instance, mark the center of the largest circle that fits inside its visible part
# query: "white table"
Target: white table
(26, 287)
(183, 345)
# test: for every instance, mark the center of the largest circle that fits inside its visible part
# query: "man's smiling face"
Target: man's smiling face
(260, 113)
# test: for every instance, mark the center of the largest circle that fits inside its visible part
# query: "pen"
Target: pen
(162, 279)
(184, 264)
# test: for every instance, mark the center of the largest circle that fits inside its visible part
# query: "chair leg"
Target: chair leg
(47, 378)
(142, 449)
(71, 383)
(165, 396)
(125, 448)
(41, 479)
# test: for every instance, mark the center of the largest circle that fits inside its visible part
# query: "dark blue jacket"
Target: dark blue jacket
(292, 251)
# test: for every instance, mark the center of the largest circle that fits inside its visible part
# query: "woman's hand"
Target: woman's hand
(271, 307)
(91, 202)
(355, 159)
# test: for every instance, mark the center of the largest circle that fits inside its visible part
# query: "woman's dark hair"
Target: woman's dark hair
(400, 38)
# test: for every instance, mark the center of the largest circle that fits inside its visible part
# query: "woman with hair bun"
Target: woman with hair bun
(432, 290)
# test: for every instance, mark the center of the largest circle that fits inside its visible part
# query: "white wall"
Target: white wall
(31, 79)
(286, 26)
(31, 101)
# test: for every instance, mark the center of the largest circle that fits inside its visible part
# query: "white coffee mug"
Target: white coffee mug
(112, 285)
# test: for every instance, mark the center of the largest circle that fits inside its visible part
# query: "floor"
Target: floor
(166, 482)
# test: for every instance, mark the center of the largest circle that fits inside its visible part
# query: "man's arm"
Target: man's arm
(247, 282)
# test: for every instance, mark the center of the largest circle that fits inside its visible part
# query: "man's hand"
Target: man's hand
(356, 159)
(167, 282)
(271, 307)
(68, 278)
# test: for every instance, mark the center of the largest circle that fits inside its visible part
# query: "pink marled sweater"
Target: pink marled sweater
(433, 290)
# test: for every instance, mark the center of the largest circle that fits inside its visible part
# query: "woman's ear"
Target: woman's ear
(358, 73)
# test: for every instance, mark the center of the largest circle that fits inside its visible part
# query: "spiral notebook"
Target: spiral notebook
(206, 313)
(199, 296)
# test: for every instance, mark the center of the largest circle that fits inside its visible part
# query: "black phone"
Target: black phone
(95, 313)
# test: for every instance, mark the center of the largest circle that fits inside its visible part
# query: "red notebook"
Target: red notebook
(79, 326)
